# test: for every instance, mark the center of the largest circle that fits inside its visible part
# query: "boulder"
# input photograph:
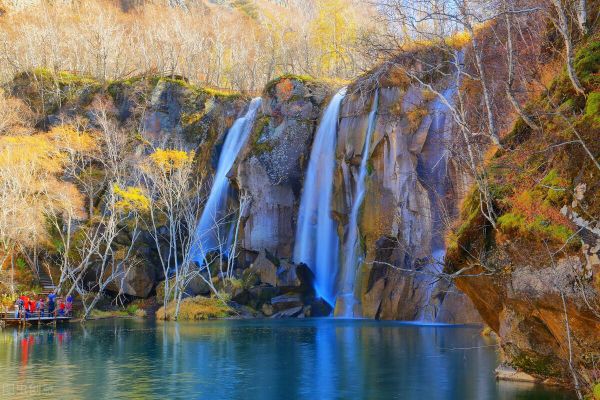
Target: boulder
(289, 313)
(138, 282)
(261, 294)
(508, 373)
(305, 275)
(264, 269)
(318, 308)
(287, 277)
(197, 287)
(267, 309)
(242, 297)
(457, 308)
(250, 278)
(286, 301)
(295, 277)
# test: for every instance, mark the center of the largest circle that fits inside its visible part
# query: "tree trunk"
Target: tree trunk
(582, 16)
(563, 28)
(178, 297)
(91, 307)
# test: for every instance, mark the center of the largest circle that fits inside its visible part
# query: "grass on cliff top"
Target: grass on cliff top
(224, 94)
(300, 78)
(63, 78)
(196, 308)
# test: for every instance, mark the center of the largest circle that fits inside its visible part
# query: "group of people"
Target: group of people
(26, 307)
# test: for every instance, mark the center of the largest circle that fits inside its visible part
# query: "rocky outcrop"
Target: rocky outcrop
(171, 113)
(271, 167)
(534, 274)
(278, 288)
(408, 188)
(530, 308)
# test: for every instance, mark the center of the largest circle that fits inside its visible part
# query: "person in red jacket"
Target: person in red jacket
(32, 306)
(61, 308)
(26, 306)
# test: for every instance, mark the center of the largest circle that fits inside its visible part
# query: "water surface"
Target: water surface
(254, 359)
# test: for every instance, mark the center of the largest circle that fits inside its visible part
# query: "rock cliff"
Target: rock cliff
(271, 168)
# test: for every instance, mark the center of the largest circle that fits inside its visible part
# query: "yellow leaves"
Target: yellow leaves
(334, 32)
(69, 139)
(31, 184)
(66, 198)
(131, 199)
(169, 161)
(47, 151)
(459, 40)
(15, 116)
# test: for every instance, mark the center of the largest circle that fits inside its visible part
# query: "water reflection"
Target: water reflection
(300, 359)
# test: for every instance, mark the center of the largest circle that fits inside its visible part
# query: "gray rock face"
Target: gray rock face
(272, 166)
(408, 190)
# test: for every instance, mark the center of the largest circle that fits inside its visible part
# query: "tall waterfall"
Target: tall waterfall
(346, 300)
(215, 207)
(316, 237)
(433, 169)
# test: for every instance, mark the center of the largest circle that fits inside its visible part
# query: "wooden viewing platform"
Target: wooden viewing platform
(8, 318)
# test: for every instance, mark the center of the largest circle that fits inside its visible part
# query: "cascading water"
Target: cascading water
(316, 238)
(434, 169)
(207, 230)
(345, 298)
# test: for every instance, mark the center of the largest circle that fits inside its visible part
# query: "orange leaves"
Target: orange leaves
(284, 89)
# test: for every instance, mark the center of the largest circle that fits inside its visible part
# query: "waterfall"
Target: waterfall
(316, 238)
(214, 211)
(433, 169)
(346, 300)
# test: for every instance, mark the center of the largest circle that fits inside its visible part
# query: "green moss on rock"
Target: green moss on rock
(259, 145)
(592, 107)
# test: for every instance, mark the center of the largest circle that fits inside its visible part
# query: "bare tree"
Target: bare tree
(561, 22)
(510, 53)
(175, 199)
(106, 260)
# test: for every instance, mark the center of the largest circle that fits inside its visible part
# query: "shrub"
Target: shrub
(587, 63)
(511, 222)
(519, 133)
(516, 223)
(196, 308)
(596, 391)
(132, 309)
(592, 107)
(553, 188)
